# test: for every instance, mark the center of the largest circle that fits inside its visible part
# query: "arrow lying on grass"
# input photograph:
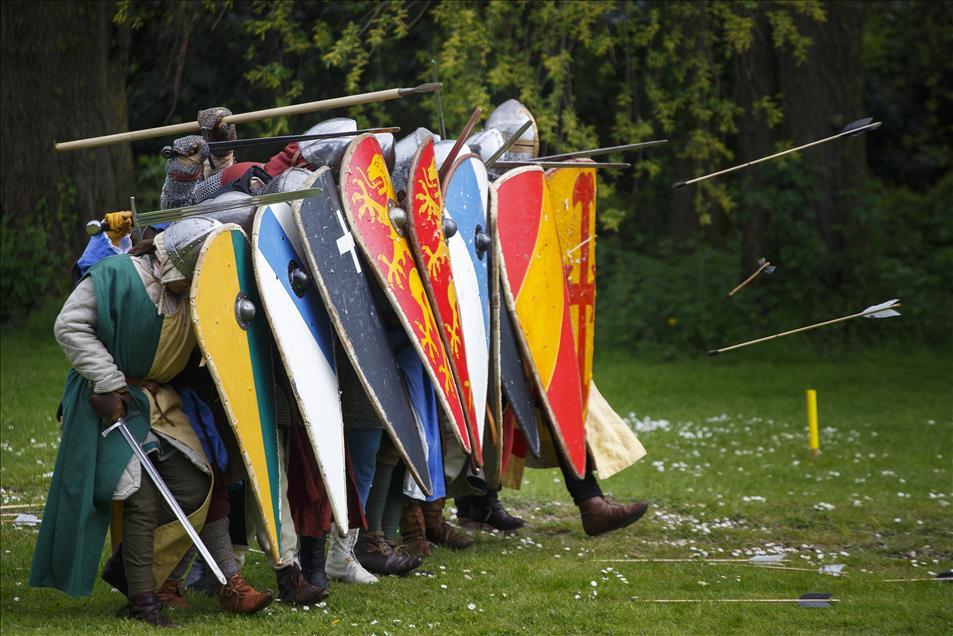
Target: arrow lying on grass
(760, 559)
(883, 310)
(765, 267)
(811, 599)
(854, 128)
(945, 577)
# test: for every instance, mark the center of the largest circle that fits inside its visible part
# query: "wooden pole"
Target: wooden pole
(462, 137)
(242, 118)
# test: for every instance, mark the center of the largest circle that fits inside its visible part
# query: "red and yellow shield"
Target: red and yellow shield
(572, 193)
(425, 202)
(368, 196)
(535, 289)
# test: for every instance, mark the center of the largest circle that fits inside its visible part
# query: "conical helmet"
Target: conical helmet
(485, 143)
(183, 240)
(507, 118)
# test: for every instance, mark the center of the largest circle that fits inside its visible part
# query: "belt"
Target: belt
(153, 388)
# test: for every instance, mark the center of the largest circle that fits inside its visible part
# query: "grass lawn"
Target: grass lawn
(728, 476)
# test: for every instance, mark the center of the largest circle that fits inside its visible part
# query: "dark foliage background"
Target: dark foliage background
(848, 224)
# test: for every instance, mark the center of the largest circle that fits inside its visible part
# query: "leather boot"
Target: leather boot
(487, 513)
(294, 589)
(438, 530)
(239, 597)
(341, 564)
(413, 532)
(172, 594)
(377, 556)
(312, 561)
(114, 571)
(599, 516)
(148, 609)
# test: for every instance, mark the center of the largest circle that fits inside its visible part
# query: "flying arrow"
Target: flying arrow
(765, 267)
(883, 310)
(854, 128)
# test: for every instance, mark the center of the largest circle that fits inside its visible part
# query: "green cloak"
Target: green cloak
(88, 466)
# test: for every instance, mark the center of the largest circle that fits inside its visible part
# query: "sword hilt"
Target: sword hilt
(120, 422)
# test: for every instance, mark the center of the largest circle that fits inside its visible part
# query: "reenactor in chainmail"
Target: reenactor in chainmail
(597, 514)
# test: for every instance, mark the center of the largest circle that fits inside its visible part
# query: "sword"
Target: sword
(140, 454)
(144, 219)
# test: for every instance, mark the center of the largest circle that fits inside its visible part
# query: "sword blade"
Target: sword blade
(174, 214)
(167, 495)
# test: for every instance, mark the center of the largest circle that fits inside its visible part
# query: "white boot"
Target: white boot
(341, 564)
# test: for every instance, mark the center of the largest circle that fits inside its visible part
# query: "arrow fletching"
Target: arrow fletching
(762, 559)
(815, 600)
(834, 569)
(860, 126)
(883, 310)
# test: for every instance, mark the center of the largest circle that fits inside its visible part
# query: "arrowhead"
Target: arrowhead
(678, 184)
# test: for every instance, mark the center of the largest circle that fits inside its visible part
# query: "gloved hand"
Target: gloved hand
(110, 406)
(210, 123)
(119, 224)
(188, 155)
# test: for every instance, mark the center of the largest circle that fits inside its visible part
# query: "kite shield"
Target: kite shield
(233, 334)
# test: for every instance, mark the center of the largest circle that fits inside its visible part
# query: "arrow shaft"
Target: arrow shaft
(219, 146)
(780, 154)
(799, 330)
(741, 600)
(575, 165)
(241, 118)
(608, 150)
(748, 280)
(507, 144)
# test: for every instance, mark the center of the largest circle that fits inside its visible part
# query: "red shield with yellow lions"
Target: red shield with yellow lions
(425, 229)
(368, 195)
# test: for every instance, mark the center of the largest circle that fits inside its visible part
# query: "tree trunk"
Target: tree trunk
(755, 75)
(63, 70)
(821, 96)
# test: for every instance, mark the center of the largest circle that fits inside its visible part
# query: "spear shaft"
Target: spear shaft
(608, 150)
(186, 128)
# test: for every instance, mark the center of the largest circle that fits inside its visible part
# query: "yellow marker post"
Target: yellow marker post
(813, 441)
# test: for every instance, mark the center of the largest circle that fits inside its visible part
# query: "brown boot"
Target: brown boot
(172, 594)
(438, 530)
(599, 516)
(413, 531)
(240, 597)
(294, 589)
(148, 609)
